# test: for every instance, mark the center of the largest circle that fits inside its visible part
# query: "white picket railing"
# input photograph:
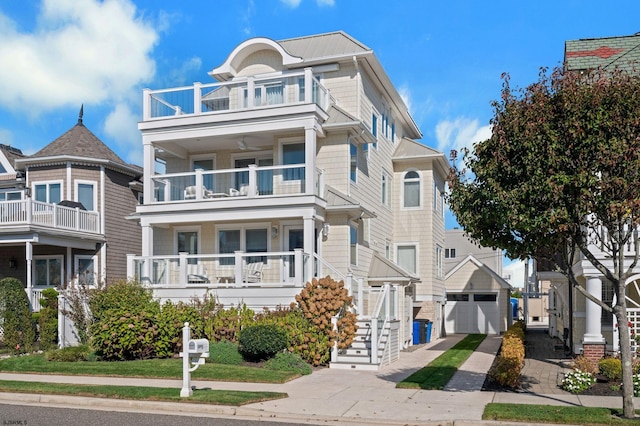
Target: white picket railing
(32, 212)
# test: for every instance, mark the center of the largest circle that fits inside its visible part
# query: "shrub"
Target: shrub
(125, 335)
(48, 319)
(169, 327)
(261, 342)
(225, 324)
(611, 368)
(69, 354)
(288, 361)
(577, 381)
(506, 370)
(18, 326)
(122, 294)
(303, 338)
(225, 352)
(636, 385)
(583, 363)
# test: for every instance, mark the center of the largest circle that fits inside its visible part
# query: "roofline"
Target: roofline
(471, 258)
(75, 159)
(443, 162)
(603, 38)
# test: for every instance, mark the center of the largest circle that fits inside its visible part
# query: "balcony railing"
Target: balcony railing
(32, 212)
(238, 269)
(229, 184)
(241, 94)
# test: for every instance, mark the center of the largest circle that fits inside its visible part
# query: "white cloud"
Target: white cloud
(295, 3)
(405, 94)
(180, 75)
(6, 137)
(326, 2)
(247, 16)
(291, 3)
(82, 51)
(460, 133)
(122, 126)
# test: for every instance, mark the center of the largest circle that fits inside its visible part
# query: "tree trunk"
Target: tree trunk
(625, 355)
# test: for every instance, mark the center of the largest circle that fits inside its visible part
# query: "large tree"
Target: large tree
(560, 179)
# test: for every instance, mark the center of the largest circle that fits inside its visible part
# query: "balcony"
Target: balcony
(249, 93)
(30, 212)
(233, 184)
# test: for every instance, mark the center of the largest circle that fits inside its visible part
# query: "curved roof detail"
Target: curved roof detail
(243, 50)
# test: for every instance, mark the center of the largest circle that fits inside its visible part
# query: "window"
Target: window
(387, 249)
(407, 257)
(411, 189)
(489, 297)
(438, 261)
(11, 196)
(393, 132)
(353, 161)
(86, 267)
(293, 153)
(457, 297)
(205, 165)
(386, 189)
(265, 177)
(353, 245)
(607, 297)
(267, 93)
(48, 192)
(187, 241)
(449, 253)
(255, 240)
(86, 194)
(47, 270)
(374, 128)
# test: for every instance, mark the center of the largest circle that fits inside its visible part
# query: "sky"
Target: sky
(445, 58)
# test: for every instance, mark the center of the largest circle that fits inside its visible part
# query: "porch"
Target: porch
(29, 212)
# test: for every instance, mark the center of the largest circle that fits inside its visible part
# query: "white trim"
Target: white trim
(389, 189)
(48, 183)
(96, 266)
(6, 164)
(415, 245)
(195, 228)
(243, 236)
(59, 257)
(94, 184)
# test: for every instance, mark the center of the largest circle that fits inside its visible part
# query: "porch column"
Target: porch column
(309, 243)
(29, 257)
(147, 250)
(148, 163)
(593, 332)
(310, 160)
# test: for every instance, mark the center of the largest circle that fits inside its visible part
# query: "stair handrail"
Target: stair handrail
(379, 320)
(348, 279)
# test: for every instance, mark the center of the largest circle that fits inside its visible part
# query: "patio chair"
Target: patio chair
(197, 274)
(253, 272)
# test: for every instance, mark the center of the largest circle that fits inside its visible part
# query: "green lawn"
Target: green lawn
(204, 396)
(439, 371)
(151, 368)
(555, 414)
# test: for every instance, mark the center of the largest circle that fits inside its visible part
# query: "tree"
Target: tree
(559, 178)
(15, 317)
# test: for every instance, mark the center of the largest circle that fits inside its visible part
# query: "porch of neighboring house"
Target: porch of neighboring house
(45, 242)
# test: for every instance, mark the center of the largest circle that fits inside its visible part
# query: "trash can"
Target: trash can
(429, 326)
(419, 331)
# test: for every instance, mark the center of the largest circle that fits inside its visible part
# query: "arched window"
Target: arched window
(411, 189)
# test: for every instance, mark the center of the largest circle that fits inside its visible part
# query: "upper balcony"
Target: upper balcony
(30, 213)
(241, 94)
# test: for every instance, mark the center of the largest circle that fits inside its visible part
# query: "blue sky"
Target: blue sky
(445, 58)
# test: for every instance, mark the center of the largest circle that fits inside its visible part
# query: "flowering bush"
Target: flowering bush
(636, 385)
(577, 381)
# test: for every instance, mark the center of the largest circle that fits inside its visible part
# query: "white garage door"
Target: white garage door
(472, 313)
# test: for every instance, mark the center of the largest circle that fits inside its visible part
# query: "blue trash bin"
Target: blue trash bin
(419, 331)
(429, 326)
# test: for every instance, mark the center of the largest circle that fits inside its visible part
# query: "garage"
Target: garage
(477, 299)
(472, 313)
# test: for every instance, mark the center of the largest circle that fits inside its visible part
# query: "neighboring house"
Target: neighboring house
(299, 161)
(584, 324)
(478, 298)
(63, 213)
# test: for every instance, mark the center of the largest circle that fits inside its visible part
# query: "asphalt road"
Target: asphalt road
(30, 415)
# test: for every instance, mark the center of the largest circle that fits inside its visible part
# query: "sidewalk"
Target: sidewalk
(352, 397)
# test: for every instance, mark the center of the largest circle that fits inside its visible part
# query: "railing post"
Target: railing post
(77, 218)
(253, 181)
(298, 269)
(199, 187)
(387, 300)
(146, 104)
(29, 210)
(54, 216)
(167, 190)
(334, 348)
(238, 268)
(197, 98)
(182, 262)
(308, 85)
(374, 341)
(130, 269)
(251, 99)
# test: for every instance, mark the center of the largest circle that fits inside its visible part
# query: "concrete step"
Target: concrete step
(354, 366)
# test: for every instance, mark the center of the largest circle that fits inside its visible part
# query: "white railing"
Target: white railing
(227, 184)
(300, 87)
(239, 269)
(31, 212)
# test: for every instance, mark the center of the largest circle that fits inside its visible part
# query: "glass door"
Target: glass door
(293, 239)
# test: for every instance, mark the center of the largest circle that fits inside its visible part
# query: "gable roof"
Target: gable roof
(339, 202)
(383, 270)
(8, 155)
(607, 53)
(481, 266)
(410, 150)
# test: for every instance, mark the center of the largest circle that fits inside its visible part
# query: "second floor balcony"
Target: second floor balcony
(29, 212)
(238, 183)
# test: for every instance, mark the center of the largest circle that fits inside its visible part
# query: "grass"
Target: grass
(151, 368)
(203, 396)
(439, 371)
(555, 414)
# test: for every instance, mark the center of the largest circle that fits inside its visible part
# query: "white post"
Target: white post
(182, 268)
(593, 332)
(298, 270)
(199, 187)
(197, 98)
(28, 248)
(334, 348)
(238, 268)
(374, 341)
(186, 390)
(253, 181)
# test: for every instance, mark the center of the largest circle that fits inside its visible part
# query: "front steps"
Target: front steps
(358, 355)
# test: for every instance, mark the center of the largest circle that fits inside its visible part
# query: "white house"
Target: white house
(299, 160)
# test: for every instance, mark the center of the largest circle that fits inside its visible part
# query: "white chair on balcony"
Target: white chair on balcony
(253, 272)
(191, 191)
(197, 274)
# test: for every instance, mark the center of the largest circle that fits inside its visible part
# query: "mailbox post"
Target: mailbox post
(193, 352)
